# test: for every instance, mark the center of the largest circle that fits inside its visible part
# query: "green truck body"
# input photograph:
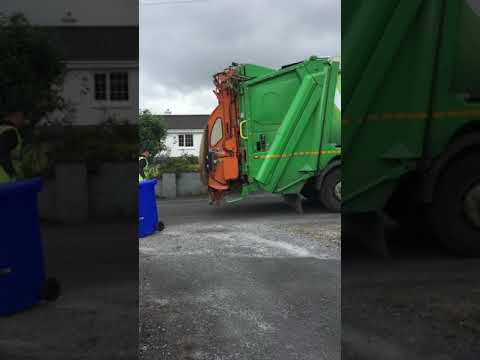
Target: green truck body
(289, 127)
(291, 132)
(411, 112)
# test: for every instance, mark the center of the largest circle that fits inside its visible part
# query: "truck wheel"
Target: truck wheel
(331, 190)
(455, 212)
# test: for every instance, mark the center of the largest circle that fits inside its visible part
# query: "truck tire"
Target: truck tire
(330, 191)
(455, 211)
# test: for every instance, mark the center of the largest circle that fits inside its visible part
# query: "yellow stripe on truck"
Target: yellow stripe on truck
(301, 153)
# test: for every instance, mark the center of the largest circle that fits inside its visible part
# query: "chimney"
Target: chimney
(68, 18)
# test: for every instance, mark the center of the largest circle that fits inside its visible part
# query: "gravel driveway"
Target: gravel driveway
(252, 280)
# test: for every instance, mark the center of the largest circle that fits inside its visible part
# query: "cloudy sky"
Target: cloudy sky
(184, 42)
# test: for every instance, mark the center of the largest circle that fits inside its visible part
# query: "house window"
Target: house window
(119, 86)
(100, 87)
(112, 86)
(188, 140)
(185, 140)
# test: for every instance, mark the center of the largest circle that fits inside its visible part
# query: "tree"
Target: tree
(31, 69)
(152, 132)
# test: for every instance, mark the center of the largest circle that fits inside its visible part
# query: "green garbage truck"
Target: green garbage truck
(411, 118)
(276, 130)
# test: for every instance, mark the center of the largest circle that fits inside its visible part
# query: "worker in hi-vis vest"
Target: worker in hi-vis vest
(142, 165)
(11, 146)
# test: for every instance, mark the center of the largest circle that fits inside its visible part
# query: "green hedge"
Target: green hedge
(177, 165)
(97, 143)
(47, 145)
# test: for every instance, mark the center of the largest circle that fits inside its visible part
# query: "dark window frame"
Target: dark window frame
(119, 86)
(112, 86)
(100, 86)
(184, 140)
(181, 140)
(189, 140)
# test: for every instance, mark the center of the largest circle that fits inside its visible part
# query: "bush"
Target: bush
(152, 132)
(115, 142)
(177, 165)
(31, 69)
(109, 141)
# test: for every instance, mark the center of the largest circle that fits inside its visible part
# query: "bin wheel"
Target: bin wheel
(50, 290)
(160, 226)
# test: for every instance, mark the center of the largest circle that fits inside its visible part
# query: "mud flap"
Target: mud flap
(202, 157)
(369, 229)
(295, 201)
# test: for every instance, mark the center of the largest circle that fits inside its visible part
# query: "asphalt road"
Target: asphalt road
(422, 303)
(251, 280)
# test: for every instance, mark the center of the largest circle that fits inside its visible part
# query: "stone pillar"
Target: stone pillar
(113, 191)
(71, 190)
(169, 186)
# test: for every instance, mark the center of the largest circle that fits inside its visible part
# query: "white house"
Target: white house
(102, 76)
(184, 134)
(100, 50)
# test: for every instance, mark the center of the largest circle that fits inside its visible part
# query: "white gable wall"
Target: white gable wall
(173, 148)
(79, 90)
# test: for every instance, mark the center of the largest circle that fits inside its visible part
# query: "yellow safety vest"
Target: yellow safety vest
(15, 156)
(140, 177)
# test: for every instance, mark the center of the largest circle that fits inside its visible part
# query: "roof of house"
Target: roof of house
(184, 122)
(96, 43)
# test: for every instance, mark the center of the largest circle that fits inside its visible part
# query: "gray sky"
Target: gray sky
(182, 45)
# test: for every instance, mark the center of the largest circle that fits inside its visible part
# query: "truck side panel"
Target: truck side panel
(457, 102)
(389, 88)
(285, 116)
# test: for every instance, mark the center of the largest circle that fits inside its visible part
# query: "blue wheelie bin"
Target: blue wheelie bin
(22, 270)
(148, 222)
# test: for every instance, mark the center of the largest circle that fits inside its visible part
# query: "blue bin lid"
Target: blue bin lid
(15, 187)
(147, 183)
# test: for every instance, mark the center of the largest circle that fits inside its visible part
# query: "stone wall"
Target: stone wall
(76, 195)
(172, 186)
